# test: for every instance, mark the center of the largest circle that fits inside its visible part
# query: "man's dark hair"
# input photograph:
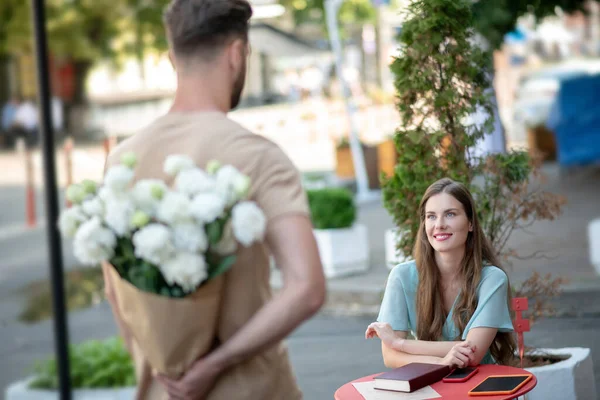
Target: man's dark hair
(202, 27)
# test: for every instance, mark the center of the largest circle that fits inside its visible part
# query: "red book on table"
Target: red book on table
(411, 377)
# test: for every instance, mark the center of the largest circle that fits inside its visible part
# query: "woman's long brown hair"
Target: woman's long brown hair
(478, 252)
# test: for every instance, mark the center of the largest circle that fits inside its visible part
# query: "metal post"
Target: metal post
(54, 240)
(358, 158)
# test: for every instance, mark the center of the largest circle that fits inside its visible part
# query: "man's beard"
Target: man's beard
(238, 87)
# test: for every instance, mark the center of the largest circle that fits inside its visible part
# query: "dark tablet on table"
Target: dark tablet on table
(500, 384)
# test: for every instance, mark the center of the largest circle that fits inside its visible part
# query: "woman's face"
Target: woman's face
(446, 223)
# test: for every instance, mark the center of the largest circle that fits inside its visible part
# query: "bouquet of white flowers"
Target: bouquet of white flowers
(166, 249)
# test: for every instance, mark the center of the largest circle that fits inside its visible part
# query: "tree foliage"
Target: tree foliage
(15, 33)
(86, 31)
(494, 19)
(351, 12)
(439, 83)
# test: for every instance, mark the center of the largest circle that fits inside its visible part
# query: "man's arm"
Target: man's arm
(292, 242)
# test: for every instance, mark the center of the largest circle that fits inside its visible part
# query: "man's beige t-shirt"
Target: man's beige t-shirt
(276, 188)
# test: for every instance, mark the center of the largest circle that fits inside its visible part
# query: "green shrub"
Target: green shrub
(94, 365)
(331, 208)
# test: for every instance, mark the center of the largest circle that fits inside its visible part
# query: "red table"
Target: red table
(454, 390)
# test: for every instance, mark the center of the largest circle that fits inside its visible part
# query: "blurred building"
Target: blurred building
(282, 67)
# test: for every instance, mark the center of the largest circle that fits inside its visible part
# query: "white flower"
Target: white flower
(213, 166)
(118, 178)
(147, 194)
(93, 207)
(153, 244)
(207, 207)
(187, 270)
(75, 193)
(176, 163)
(232, 184)
(248, 222)
(190, 237)
(174, 208)
(129, 159)
(94, 243)
(70, 220)
(118, 214)
(227, 245)
(140, 219)
(193, 181)
(89, 186)
(106, 194)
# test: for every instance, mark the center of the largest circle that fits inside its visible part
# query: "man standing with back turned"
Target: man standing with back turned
(209, 49)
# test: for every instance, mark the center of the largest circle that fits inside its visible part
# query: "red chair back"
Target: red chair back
(520, 304)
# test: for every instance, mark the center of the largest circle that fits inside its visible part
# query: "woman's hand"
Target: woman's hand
(461, 355)
(383, 331)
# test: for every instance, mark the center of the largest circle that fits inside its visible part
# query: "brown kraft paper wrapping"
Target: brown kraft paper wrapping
(171, 333)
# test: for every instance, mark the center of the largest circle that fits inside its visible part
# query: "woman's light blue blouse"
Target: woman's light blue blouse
(398, 307)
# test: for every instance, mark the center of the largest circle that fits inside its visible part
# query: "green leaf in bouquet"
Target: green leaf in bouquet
(222, 267)
(128, 251)
(137, 278)
(177, 292)
(164, 291)
(119, 263)
(152, 275)
(214, 230)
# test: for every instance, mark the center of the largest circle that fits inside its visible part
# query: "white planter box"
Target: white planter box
(393, 257)
(343, 251)
(594, 243)
(571, 379)
(20, 391)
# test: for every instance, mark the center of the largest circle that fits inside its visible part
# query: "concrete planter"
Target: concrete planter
(20, 391)
(392, 256)
(343, 251)
(570, 379)
(594, 243)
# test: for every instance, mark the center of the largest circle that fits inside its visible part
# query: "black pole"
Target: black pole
(61, 338)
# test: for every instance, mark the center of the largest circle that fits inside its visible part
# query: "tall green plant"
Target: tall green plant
(440, 82)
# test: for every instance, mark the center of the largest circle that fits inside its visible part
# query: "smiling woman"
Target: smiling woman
(454, 296)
